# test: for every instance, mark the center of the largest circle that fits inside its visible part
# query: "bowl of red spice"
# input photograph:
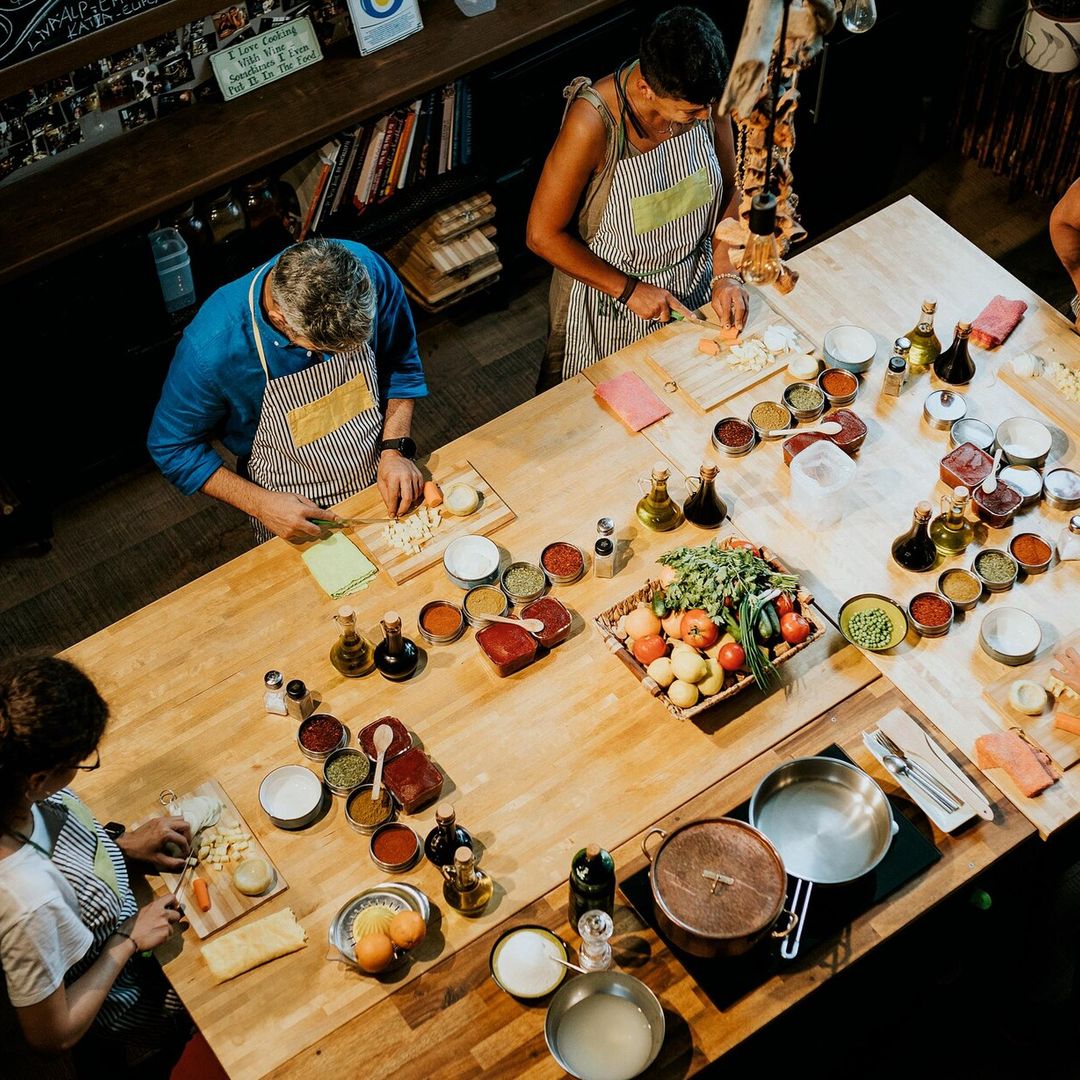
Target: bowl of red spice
(394, 847)
(840, 387)
(733, 436)
(563, 562)
(931, 614)
(320, 735)
(441, 622)
(1032, 552)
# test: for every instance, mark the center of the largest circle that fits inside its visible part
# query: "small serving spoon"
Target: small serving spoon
(989, 485)
(384, 736)
(830, 427)
(534, 626)
(567, 964)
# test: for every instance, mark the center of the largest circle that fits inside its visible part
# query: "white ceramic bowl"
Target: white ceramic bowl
(851, 348)
(470, 561)
(291, 796)
(1010, 636)
(1024, 441)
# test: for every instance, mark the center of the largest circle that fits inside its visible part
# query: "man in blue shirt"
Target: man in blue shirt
(306, 369)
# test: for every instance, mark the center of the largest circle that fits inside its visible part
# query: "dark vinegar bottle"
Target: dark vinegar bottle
(395, 655)
(704, 507)
(447, 836)
(955, 366)
(592, 883)
(914, 550)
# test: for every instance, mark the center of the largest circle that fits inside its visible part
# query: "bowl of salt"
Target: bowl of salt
(524, 961)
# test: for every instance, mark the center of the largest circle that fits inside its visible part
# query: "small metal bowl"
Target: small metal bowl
(1061, 489)
(406, 864)
(741, 448)
(995, 586)
(865, 601)
(321, 755)
(808, 413)
(525, 597)
(440, 639)
(482, 561)
(943, 408)
(784, 428)
(364, 791)
(1025, 481)
(477, 620)
(337, 755)
(973, 431)
(1024, 441)
(557, 976)
(291, 796)
(928, 629)
(1032, 568)
(1010, 636)
(616, 984)
(961, 605)
(850, 347)
(562, 579)
(845, 398)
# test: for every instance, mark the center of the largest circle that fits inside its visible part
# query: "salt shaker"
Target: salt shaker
(298, 701)
(595, 928)
(1068, 544)
(604, 548)
(274, 698)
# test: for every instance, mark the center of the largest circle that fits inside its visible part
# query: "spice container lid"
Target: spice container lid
(398, 845)
(273, 680)
(943, 408)
(959, 573)
(357, 812)
(930, 628)
(475, 597)
(736, 429)
(439, 612)
(349, 754)
(970, 430)
(781, 421)
(520, 571)
(1061, 489)
(314, 727)
(1024, 480)
(798, 390)
(980, 567)
(1031, 565)
(567, 562)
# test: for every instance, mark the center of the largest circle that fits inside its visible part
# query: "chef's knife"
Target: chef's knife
(344, 523)
(971, 795)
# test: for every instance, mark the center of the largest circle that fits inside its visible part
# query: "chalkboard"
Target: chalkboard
(29, 28)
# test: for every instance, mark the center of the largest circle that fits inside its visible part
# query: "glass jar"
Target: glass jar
(225, 215)
(258, 203)
(191, 226)
(274, 694)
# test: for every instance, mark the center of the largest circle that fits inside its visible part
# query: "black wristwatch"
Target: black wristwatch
(114, 830)
(405, 447)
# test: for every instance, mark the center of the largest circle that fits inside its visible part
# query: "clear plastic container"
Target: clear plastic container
(475, 7)
(173, 264)
(819, 477)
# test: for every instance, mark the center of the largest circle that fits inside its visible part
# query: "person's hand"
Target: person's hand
(286, 515)
(1069, 672)
(731, 302)
(401, 484)
(649, 302)
(154, 923)
(150, 843)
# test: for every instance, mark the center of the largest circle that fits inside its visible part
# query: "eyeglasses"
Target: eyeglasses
(95, 764)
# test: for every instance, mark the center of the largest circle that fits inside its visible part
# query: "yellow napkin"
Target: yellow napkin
(257, 943)
(339, 566)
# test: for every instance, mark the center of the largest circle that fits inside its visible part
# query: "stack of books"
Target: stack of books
(451, 255)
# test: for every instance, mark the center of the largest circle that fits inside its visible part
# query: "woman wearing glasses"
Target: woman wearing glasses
(71, 930)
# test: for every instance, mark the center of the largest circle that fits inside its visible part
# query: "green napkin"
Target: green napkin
(339, 566)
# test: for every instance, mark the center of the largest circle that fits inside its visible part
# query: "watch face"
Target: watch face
(406, 447)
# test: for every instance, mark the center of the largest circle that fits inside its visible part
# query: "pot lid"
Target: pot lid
(719, 879)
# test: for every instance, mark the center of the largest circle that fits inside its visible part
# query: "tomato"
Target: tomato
(794, 628)
(738, 544)
(731, 657)
(784, 604)
(649, 648)
(698, 629)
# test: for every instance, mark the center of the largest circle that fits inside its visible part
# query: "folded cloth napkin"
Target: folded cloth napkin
(631, 401)
(996, 322)
(1031, 770)
(339, 566)
(256, 943)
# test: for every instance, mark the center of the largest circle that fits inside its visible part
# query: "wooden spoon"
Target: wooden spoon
(534, 626)
(384, 736)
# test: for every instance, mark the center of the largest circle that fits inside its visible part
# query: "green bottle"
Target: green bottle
(592, 883)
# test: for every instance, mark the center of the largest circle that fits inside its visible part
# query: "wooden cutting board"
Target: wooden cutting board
(227, 904)
(1063, 747)
(706, 381)
(493, 514)
(1041, 392)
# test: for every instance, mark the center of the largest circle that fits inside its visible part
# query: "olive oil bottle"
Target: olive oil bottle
(657, 510)
(351, 654)
(925, 346)
(950, 530)
(465, 888)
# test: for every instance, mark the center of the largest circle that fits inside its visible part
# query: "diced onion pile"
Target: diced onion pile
(410, 534)
(1066, 379)
(757, 353)
(223, 843)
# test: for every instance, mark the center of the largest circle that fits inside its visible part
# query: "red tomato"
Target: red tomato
(731, 657)
(737, 543)
(784, 604)
(649, 648)
(794, 628)
(698, 629)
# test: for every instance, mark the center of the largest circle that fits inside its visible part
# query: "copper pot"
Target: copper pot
(718, 887)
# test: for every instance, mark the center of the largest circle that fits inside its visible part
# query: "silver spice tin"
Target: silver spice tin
(838, 400)
(440, 639)
(785, 429)
(479, 620)
(335, 755)
(995, 586)
(970, 430)
(1033, 568)
(562, 579)
(364, 790)
(411, 861)
(804, 414)
(742, 448)
(1061, 489)
(960, 605)
(1024, 480)
(925, 630)
(523, 598)
(321, 755)
(943, 408)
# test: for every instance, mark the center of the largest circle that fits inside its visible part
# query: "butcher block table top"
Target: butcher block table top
(569, 751)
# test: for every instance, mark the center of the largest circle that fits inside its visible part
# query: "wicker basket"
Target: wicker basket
(607, 621)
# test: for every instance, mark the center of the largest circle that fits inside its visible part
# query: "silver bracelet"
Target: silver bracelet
(731, 275)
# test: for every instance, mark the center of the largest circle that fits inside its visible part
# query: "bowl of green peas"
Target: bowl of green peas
(873, 622)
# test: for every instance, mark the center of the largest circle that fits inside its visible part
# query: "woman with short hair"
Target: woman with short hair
(631, 194)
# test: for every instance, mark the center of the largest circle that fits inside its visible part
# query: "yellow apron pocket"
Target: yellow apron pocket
(662, 207)
(318, 418)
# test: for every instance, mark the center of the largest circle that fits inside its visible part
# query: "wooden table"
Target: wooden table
(569, 751)
(875, 274)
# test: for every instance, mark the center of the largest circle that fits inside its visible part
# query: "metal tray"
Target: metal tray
(394, 894)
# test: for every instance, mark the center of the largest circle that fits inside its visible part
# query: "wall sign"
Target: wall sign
(266, 58)
(378, 23)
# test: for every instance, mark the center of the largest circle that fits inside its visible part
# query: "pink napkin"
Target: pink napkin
(996, 322)
(631, 401)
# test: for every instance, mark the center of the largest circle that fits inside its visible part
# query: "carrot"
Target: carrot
(432, 494)
(202, 893)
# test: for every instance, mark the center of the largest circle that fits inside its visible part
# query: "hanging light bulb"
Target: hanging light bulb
(761, 258)
(859, 15)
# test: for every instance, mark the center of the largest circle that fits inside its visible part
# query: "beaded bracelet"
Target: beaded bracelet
(729, 276)
(628, 289)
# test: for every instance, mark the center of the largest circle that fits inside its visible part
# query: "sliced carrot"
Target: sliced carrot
(432, 494)
(202, 893)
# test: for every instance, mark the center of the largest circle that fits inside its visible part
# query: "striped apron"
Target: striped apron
(657, 226)
(319, 429)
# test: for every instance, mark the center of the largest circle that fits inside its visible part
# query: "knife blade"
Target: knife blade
(971, 794)
(345, 523)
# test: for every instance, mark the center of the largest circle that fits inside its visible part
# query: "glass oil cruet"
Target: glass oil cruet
(925, 347)
(704, 507)
(950, 530)
(955, 365)
(465, 888)
(352, 653)
(914, 550)
(657, 510)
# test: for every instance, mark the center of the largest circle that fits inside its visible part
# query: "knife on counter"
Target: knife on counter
(969, 792)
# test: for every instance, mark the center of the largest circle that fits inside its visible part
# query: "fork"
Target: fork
(917, 770)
